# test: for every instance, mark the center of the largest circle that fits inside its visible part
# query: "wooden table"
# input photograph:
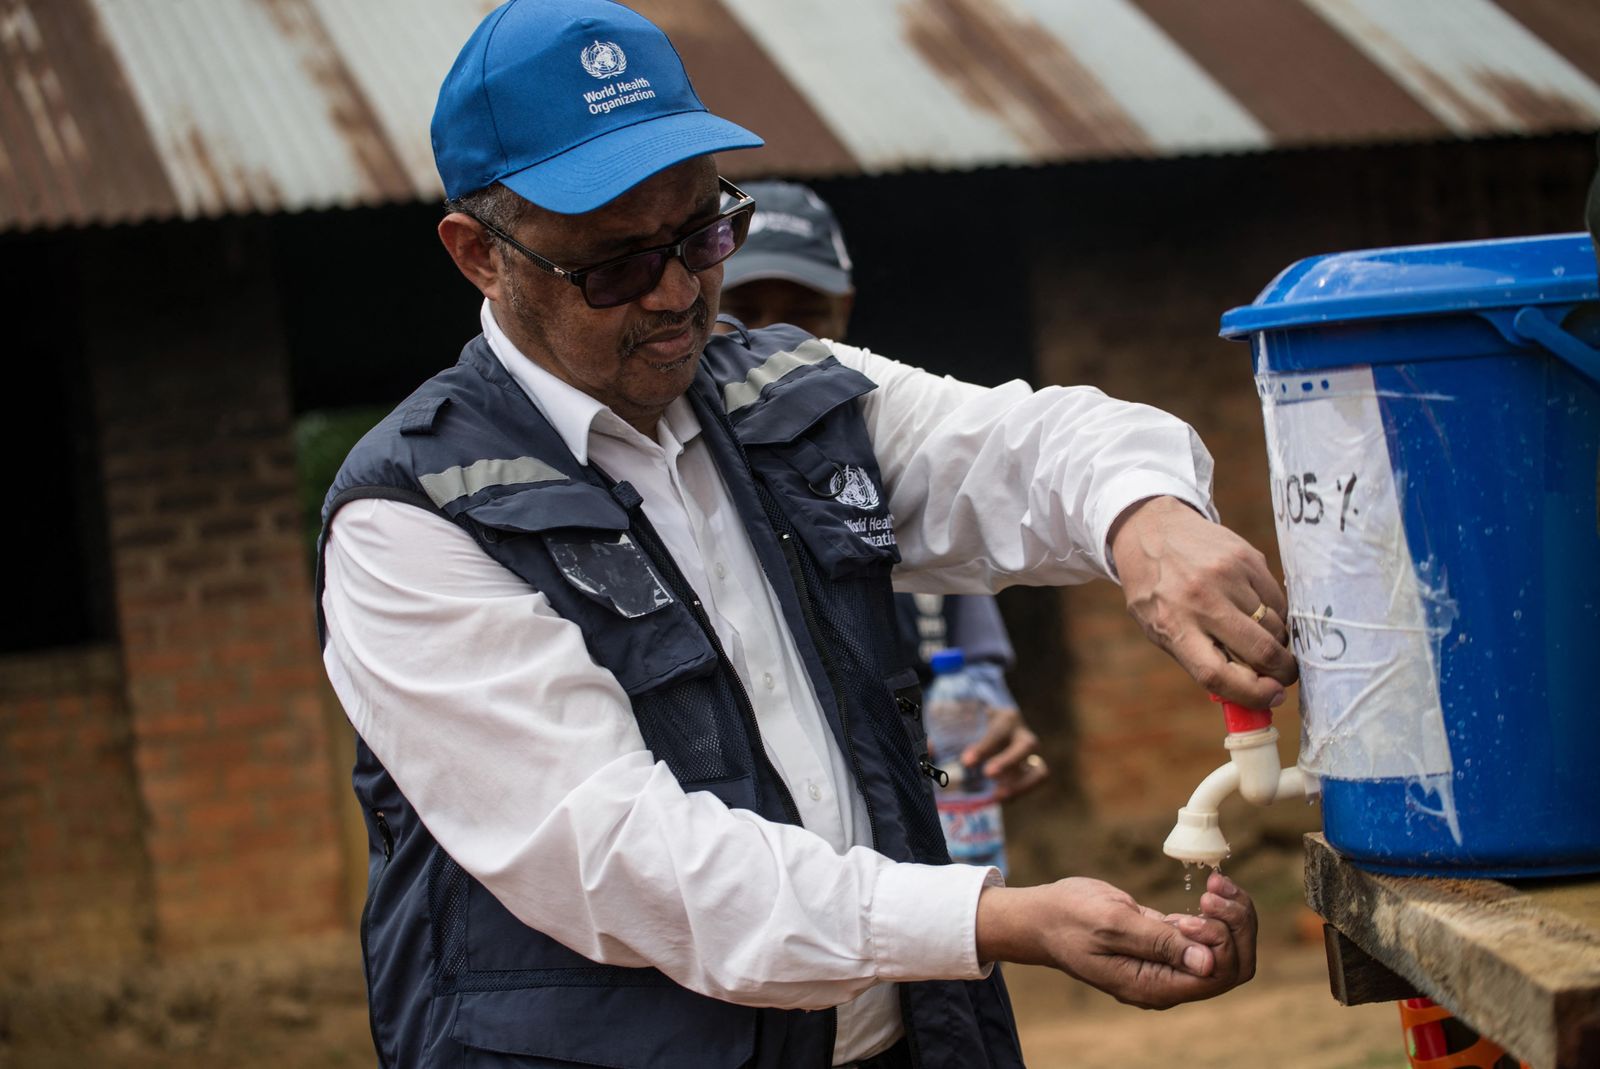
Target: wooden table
(1518, 961)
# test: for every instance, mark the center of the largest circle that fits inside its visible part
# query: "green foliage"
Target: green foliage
(322, 439)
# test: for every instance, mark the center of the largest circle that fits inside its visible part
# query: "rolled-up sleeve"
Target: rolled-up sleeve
(994, 487)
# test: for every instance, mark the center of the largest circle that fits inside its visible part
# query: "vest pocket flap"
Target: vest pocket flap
(807, 394)
(619, 1027)
(551, 507)
(738, 792)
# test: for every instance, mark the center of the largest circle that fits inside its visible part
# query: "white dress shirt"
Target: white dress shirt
(522, 756)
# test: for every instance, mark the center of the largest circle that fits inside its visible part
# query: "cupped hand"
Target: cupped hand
(1101, 935)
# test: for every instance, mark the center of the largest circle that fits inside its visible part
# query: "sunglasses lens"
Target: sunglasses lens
(622, 281)
(709, 247)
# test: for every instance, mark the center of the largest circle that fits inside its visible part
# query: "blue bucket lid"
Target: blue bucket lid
(1416, 280)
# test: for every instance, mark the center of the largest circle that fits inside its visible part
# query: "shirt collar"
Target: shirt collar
(571, 411)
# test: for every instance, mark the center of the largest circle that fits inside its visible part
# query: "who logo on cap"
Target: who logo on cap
(604, 60)
(570, 103)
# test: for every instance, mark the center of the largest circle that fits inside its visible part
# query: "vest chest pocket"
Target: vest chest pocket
(829, 486)
(807, 441)
(571, 542)
(612, 571)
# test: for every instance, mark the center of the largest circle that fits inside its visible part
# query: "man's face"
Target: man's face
(638, 357)
(764, 301)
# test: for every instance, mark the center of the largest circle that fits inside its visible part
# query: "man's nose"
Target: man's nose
(676, 291)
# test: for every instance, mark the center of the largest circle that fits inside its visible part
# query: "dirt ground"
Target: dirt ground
(1284, 1018)
(303, 1005)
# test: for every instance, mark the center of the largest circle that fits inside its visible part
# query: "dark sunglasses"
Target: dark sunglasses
(626, 278)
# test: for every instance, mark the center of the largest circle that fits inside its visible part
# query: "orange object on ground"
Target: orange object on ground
(1431, 1030)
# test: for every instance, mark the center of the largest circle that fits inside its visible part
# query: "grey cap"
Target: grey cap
(794, 237)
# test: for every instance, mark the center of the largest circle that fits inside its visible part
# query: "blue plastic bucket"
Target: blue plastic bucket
(1433, 427)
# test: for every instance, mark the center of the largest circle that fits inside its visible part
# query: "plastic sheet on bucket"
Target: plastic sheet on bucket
(1366, 620)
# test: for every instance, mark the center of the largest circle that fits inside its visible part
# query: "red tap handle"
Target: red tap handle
(1240, 719)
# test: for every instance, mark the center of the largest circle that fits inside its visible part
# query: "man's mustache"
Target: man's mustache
(697, 315)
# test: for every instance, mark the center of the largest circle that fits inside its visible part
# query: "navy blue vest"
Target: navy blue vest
(453, 978)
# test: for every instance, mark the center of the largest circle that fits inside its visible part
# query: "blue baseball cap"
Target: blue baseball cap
(570, 103)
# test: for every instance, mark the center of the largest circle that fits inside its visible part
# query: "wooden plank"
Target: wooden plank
(1520, 964)
(1356, 977)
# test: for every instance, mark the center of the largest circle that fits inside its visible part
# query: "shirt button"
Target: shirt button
(768, 681)
(814, 791)
(722, 573)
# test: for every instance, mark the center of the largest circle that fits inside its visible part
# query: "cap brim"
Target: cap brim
(753, 266)
(600, 170)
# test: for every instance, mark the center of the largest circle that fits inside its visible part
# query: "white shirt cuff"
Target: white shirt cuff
(1132, 488)
(924, 921)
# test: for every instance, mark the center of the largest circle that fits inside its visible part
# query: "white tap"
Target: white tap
(1253, 771)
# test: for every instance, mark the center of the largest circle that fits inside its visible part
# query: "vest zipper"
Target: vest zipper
(807, 610)
(366, 967)
(808, 614)
(658, 552)
(385, 833)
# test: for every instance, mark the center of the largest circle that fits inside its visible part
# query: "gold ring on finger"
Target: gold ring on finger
(1261, 611)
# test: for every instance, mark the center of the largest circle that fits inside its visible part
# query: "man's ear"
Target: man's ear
(469, 246)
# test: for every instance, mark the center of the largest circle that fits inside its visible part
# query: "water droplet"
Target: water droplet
(1516, 614)
(1188, 879)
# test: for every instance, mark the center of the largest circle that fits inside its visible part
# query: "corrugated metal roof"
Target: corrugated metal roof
(1469, 62)
(114, 110)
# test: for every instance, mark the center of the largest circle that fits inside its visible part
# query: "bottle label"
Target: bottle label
(972, 829)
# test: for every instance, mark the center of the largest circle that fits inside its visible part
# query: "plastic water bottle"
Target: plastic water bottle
(957, 715)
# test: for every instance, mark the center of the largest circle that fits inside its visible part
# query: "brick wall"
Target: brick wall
(222, 675)
(74, 878)
(1146, 733)
(1142, 260)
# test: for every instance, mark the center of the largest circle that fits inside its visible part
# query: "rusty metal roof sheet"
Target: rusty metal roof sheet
(1469, 62)
(117, 110)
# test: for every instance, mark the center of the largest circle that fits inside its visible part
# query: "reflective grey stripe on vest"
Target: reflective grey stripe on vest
(737, 395)
(445, 486)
